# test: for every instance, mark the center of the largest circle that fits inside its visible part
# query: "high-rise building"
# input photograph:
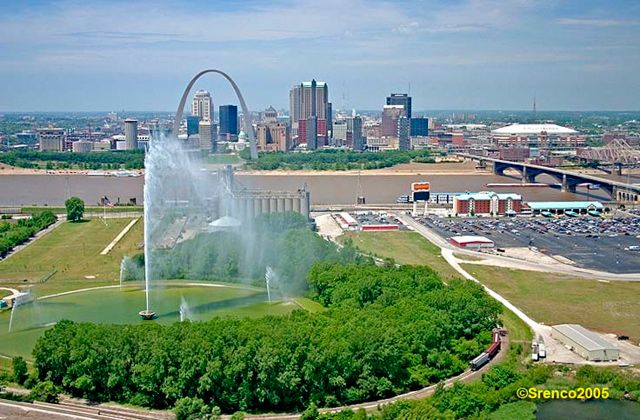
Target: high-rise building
(273, 136)
(354, 125)
(270, 115)
(390, 116)
(404, 138)
(420, 127)
(192, 124)
(208, 133)
(51, 139)
(310, 99)
(311, 132)
(401, 99)
(339, 133)
(202, 105)
(228, 120)
(130, 134)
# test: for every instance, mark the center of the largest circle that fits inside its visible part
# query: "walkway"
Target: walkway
(120, 236)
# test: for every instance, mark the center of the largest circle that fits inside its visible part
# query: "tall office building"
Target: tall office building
(270, 115)
(51, 139)
(354, 125)
(273, 136)
(202, 105)
(420, 127)
(390, 116)
(309, 102)
(404, 138)
(208, 133)
(401, 99)
(130, 134)
(228, 120)
(192, 124)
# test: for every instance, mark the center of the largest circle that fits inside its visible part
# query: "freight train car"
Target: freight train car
(491, 352)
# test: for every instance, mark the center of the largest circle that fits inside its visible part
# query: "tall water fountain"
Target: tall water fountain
(177, 192)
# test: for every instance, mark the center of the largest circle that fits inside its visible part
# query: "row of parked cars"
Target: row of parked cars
(589, 227)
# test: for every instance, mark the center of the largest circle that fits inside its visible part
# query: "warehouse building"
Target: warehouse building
(470, 241)
(561, 207)
(587, 344)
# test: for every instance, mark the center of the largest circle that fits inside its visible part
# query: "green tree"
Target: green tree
(45, 391)
(75, 209)
(20, 371)
(191, 409)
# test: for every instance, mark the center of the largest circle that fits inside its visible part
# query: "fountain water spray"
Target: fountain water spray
(185, 313)
(269, 276)
(13, 310)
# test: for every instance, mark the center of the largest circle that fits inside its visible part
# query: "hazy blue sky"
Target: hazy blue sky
(464, 54)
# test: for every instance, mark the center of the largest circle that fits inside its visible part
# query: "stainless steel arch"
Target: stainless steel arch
(245, 111)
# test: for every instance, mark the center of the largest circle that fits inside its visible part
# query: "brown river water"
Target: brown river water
(27, 190)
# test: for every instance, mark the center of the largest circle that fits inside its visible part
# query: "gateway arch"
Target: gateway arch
(245, 111)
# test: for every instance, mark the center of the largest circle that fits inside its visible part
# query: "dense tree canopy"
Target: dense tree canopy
(386, 330)
(14, 234)
(336, 159)
(127, 159)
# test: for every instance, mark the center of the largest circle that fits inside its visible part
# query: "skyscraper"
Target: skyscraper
(309, 102)
(228, 120)
(390, 116)
(192, 124)
(208, 135)
(202, 105)
(354, 125)
(419, 126)
(404, 127)
(401, 99)
(130, 134)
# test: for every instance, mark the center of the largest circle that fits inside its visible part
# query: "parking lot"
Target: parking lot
(604, 244)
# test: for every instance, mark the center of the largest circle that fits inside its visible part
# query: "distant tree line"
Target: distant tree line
(14, 234)
(127, 159)
(322, 160)
(385, 330)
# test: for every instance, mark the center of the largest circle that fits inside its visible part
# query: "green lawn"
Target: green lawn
(555, 299)
(225, 159)
(72, 252)
(404, 247)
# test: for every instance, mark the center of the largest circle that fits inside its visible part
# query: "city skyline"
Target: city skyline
(473, 54)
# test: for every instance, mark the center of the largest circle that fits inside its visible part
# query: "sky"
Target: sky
(89, 55)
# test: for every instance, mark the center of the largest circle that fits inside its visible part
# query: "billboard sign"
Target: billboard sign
(420, 186)
(420, 196)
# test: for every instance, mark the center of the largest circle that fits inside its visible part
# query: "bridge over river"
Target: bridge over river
(619, 191)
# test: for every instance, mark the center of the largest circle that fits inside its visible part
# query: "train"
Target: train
(491, 351)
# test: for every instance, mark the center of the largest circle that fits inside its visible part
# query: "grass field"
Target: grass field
(404, 248)
(555, 299)
(71, 253)
(225, 159)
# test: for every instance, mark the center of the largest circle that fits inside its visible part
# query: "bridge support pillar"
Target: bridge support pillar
(524, 174)
(565, 185)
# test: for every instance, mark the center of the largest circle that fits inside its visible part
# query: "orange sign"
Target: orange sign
(420, 186)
